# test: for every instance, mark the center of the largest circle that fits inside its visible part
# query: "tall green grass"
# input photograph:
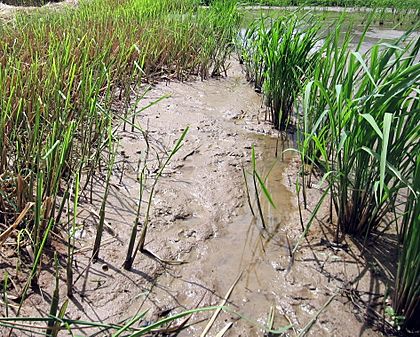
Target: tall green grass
(278, 55)
(360, 130)
(406, 303)
(362, 122)
(62, 75)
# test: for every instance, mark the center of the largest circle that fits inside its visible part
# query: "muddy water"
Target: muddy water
(219, 238)
(237, 244)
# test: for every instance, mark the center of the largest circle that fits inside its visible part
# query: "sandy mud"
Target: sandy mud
(200, 215)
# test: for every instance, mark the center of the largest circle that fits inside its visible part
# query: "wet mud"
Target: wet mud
(201, 215)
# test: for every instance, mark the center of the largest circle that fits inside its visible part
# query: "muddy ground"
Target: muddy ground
(8, 12)
(200, 215)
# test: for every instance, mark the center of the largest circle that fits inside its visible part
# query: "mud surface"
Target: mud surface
(7, 12)
(200, 215)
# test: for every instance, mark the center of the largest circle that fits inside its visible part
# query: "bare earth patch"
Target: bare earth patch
(7, 12)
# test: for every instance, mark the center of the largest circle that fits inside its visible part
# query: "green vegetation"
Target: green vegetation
(358, 127)
(407, 285)
(62, 73)
(361, 131)
(277, 57)
(361, 113)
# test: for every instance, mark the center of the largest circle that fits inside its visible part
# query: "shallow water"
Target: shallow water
(389, 28)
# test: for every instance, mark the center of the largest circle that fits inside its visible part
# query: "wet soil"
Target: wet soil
(200, 215)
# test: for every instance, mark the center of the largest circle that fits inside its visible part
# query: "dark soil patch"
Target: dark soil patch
(27, 2)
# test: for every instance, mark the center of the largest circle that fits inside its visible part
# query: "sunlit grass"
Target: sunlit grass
(278, 55)
(360, 130)
(61, 75)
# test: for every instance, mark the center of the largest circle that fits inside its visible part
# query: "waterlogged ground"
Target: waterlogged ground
(200, 215)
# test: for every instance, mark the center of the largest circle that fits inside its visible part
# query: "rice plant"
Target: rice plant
(406, 303)
(142, 179)
(362, 112)
(360, 130)
(279, 55)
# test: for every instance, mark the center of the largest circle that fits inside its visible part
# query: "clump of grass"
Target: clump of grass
(360, 130)
(361, 120)
(279, 55)
(406, 303)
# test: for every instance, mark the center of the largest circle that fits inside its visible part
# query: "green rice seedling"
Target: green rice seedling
(131, 255)
(258, 181)
(255, 177)
(72, 233)
(142, 180)
(112, 149)
(54, 300)
(281, 56)
(248, 196)
(251, 54)
(333, 55)
(258, 185)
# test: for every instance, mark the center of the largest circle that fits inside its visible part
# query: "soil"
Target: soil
(200, 215)
(8, 11)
